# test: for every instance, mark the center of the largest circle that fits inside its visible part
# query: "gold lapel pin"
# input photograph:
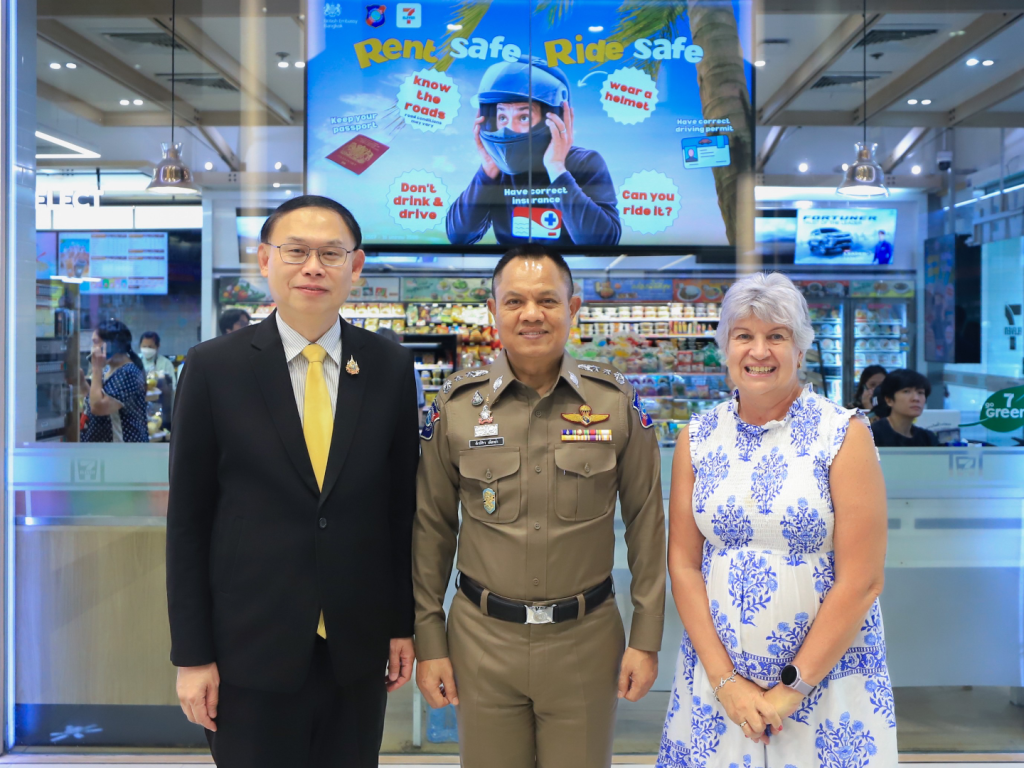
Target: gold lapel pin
(352, 367)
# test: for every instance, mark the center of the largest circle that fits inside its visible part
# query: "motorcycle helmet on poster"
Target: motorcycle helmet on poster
(513, 83)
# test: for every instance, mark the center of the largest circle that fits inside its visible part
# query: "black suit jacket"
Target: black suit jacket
(254, 549)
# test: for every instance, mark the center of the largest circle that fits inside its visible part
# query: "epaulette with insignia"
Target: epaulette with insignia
(461, 379)
(607, 375)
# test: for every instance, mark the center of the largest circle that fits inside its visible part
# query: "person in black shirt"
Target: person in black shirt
(901, 399)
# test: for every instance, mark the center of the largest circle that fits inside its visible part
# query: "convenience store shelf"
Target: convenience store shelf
(662, 319)
(655, 335)
(678, 373)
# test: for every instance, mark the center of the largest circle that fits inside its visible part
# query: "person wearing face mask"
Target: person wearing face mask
(863, 398)
(901, 399)
(115, 408)
(152, 360)
(524, 136)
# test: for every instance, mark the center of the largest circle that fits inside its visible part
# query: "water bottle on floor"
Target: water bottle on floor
(442, 726)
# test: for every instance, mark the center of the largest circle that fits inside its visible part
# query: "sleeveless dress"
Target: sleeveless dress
(761, 499)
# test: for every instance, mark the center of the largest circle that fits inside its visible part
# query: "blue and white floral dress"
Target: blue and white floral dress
(761, 499)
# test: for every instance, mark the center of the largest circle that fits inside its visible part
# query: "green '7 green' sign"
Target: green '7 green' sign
(1003, 411)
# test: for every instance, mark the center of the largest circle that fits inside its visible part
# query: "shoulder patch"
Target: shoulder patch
(432, 416)
(605, 374)
(645, 420)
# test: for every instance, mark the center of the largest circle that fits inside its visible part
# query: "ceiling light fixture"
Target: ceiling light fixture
(138, 102)
(987, 63)
(972, 62)
(926, 102)
(278, 165)
(846, 167)
(172, 176)
(124, 102)
(71, 65)
(865, 178)
(760, 63)
(916, 170)
(803, 167)
(283, 56)
(277, 184)
(208, 166)
(54, 65)
(911, 101)
(80, 152)
(300, 65)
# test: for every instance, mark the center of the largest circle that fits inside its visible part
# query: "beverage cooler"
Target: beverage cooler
(858, 323)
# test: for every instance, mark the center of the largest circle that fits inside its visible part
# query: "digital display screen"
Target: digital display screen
(845, 236)
(456, 126)
(115, 262)
(248, 224)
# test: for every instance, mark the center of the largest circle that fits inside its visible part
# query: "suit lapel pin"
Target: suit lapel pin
(352, 367)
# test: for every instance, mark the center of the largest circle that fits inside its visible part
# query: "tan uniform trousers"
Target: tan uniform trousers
(539, 695)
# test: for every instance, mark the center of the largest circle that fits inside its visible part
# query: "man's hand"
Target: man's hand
(436, 680)
(639, 671)
(561, 141)
(400, 662)
(486, 161)
(198, 694)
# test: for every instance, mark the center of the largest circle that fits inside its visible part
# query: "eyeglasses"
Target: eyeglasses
(295, 253)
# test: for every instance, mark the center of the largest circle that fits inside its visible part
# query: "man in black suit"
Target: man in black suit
(292, 472)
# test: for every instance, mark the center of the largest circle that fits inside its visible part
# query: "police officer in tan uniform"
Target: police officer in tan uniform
(535, 449)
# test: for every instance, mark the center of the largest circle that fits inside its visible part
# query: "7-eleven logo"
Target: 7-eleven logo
(410, 15)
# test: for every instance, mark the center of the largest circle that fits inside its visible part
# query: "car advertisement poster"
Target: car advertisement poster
(457, 125)
(845, 236)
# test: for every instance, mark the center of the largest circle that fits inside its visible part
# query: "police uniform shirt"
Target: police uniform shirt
(537, 512)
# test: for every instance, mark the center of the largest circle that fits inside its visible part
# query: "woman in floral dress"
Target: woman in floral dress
(776, 551)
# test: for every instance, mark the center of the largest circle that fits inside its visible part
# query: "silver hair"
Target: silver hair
(770, 297)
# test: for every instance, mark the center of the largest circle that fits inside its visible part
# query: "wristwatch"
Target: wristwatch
(790, 678)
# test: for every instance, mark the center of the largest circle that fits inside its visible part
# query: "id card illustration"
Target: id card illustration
(545, 223)
(705, 151)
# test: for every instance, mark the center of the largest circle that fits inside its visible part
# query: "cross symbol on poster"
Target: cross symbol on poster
(549, 219)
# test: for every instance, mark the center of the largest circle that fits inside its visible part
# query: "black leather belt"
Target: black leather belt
(522, 612)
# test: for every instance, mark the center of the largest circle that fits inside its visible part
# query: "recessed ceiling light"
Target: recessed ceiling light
(846, 167)
(138, 102)
(300, 65)
(926, 102)
(759, 63)
(208, 166)
(972, 62)
(283, 64)
(596, 29)
(454, 27)
(911, 101)
(54, 65)
(125, 102)
(277, 165)
(277, 184)
(916, 170)
(71, 65)
(803, 167)
(987, 63)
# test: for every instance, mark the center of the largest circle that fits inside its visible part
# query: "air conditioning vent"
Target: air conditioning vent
(775, 41)
(199, 80)
(880, 36)
(839, 78)
(159, 39)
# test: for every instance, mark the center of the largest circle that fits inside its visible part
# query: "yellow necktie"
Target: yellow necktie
(317, 423)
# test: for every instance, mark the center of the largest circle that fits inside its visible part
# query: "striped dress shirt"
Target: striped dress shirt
(294, 342)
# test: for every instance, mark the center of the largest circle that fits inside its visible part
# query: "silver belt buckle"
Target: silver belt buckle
(540, 614)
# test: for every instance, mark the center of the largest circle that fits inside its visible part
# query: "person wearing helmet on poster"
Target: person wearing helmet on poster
(573, 199)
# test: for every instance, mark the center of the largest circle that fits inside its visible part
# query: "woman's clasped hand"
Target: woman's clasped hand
(747, 705)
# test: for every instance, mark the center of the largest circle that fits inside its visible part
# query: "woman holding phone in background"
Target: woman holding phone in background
(115, 408)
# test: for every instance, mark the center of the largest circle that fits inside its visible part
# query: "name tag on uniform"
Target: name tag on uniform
(485, 430)
(487, 442)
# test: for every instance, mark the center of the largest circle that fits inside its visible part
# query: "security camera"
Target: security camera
(944, 159)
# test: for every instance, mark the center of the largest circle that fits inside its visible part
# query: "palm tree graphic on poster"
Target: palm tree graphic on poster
(720, 74)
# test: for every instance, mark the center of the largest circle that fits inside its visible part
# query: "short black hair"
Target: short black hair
(900, 379)
(866, 374)
(150, 335)
(117, 333)
(229, 319)
(312, 201)
(533, 251)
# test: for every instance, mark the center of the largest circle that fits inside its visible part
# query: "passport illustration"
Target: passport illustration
(705, 151)
(358, 153)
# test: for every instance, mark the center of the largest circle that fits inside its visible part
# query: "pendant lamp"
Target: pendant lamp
(172, 176)
(864, 177)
